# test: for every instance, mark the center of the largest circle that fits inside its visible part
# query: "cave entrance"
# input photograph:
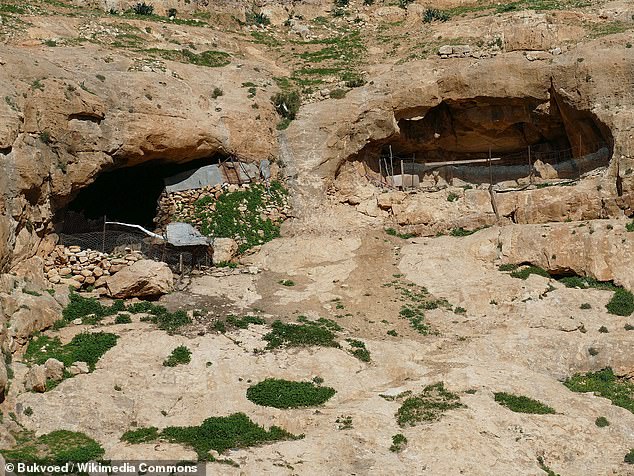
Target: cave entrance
(128, 195)
(489, 140)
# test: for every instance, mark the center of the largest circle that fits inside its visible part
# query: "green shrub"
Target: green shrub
(143, 9)
(621, 304)
(245, 321)
(525, 272)
(209, 58)
(603, 330)
(288, 394)
(630, 226)
(304, 334)
(629, 457)
(216, 433)
(181, 355)
(404, 3)
(257, 18)
(287, 104)
(122, 319)
(507, 267)
(398, 442)
(57, 447)
(585, 306)
(172, 12)
(164, 319)
(359, 350)
(452, 197)
(428, 406)
(216, 93)
(433, 14)
(602, 422)
(287, 282)
(585, 282)
(142, 435)
(605, 384)
(85, 347)
(392, 333)
(521, 404)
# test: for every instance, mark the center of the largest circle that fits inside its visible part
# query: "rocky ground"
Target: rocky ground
(417, 287)
(516, 336)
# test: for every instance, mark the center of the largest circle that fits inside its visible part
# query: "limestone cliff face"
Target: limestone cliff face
(588, 82)
(65, 122)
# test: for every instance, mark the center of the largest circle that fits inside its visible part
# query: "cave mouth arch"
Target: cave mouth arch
(524, 136)
(128, 195)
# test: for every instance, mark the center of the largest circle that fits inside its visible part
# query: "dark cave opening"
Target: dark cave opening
(523, 136)
(128, 195)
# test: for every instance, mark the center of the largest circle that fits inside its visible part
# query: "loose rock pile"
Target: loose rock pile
(83, 268)
(181, 206)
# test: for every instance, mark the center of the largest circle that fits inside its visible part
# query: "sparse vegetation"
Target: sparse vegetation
(428, 406)
(433, 14)
(85, 347)
(209, 58)
(359, 350)
(605, 384)
(216, 93)
(287, 282)
(304, 334)
(245, 321)
(398, 443)
(522, 404)
(404, 236)
(143, 9)
(525, 272)
(452, 197)
(621, 304)
(280, 393)
(57, 447)
(629, 457)
(215, 433)
(602, 422)
(181, 355)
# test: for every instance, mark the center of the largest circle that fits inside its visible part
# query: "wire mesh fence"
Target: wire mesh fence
(119, 240)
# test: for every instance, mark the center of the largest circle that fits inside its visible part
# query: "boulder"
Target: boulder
(143, 279)
(36, 379)
(79, 368)
(225, 249)
(54, 369)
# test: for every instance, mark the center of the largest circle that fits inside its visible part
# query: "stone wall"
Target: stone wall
(81, 269)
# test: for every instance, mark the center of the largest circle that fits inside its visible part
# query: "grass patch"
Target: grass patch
(398, 443)
(209, 58)
(280, 393)
(605, 384)
(85, 347)
(181, 355)
(507, 267)
(248, 228)
(123, 319)
(359, 350)
(428, 406)
(526, 271)
(304, 334)
(586, 282)
(404, 236)
(215, 433)
(521, 404)
(286, 282)
(245, 321)
(622, 303)
(57, 447)
(142, 435)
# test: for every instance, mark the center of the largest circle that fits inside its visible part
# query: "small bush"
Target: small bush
(257, 18)
(286, 282)
(525, 272)
(392, 333)
(181, 355)
(592, 351)
(216, 93)
(287, 104)
(433, 14)
(398, 442)
(45, 137)
(521, 404)
(603, 330)
(605, 384)
(602, 422)
(300, 335)
(338, 93)
(629, 457)
(428, 406)
(630, 226)
(122, 319)
(585, 306)
(143, 9)
(359, 350)
(621, 304)
(245, 321)
(142, 435)
(172, 12)
(507, 267)
(342, 3)
(452, 197)
(280, 393)
(628, 327)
